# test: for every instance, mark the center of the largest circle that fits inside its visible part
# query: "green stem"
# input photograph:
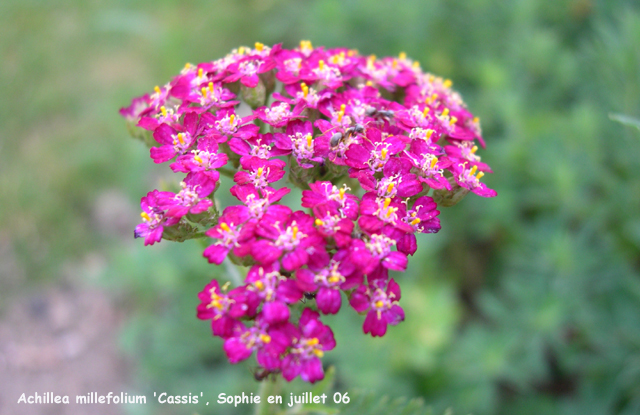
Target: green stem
(204, 243)
(226, 172)
(234, 275)
(268, 387)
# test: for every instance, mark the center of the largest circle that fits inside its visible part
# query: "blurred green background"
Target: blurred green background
(528, 303)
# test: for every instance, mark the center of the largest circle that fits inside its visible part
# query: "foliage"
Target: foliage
(626, 120)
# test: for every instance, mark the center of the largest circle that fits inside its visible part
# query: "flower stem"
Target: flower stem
(268, 387)
(226, 172)
(232, 270)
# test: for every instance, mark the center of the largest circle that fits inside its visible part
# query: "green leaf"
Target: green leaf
(314, 408)
(369, 403)
(626, 120)
(326, 384)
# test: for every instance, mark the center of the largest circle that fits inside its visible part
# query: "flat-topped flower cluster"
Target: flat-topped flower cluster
(365, 138)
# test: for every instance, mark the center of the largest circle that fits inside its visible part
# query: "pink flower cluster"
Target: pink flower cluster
(365, 138)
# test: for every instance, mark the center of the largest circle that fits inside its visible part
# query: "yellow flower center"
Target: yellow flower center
(341, 112)
(265, 338)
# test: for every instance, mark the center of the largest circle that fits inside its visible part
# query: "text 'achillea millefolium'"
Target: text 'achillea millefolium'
(375, 144)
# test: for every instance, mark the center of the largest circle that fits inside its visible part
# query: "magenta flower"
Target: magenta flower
(247, 70)
(422, 218)
(288, 239)
(289, 64)
(192, 77)
(328, 277)
(268, 341)
(416, 116)
(377, 251)
(198, 85)
(157, 99)
(403, 70)
(378, 212)
(264, 51)
(226, 124)
(467, 178)
(355, 106)
(278, 115)
(148, 116)
(260, 172)
(374, 153)
(430, 168)
(136, 108)
(175, 142)
(224, 309)
(303, 96)
(450, 125)
(370, 142)
(341, 133)
(234, 233)
(397, 180)
(309, 343)
(211, 95)
(377, 72)
(154, 218)
(191, 199)
(337, 199)
(332, 226)
(274, 290)
(325, 73)
(466, 151)
(260, 202)
(203, 161)
(169, 116)
(345, 59)
(382, 305)
(260, 146)
(300, 142)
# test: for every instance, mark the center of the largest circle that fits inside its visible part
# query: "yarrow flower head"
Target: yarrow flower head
(373, 170)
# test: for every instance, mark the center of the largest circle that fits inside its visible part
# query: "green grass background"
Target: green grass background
(528, 303)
